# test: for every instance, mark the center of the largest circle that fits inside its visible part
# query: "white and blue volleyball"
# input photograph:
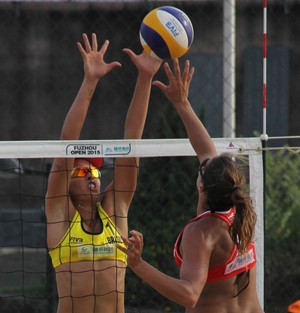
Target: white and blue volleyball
(166, 33)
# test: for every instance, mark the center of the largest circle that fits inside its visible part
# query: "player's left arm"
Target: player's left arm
(196, 251)
(177, 92)
(126, 169)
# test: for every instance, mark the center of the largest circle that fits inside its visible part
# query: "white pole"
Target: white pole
(229, 50)
(264, 135)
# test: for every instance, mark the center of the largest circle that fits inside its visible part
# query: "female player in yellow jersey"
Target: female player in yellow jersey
(82, 229)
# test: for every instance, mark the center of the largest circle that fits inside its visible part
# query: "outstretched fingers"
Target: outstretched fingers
(186, 71)
(87, 44)
(188, 74)
(104, 47)
(177, 71)
(94, 42)
(169, 72)
(126, 242)
(160, 85)
(81, 50)
(88, 48)
(170, 76)
(135, 242)
(130, 53)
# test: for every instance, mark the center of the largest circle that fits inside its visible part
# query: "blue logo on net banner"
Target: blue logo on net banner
(117, 150)
(94, 150)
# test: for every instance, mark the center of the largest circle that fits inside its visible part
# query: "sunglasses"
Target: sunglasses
(82, 171)
(202, 167)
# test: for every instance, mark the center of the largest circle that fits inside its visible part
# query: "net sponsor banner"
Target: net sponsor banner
(121, 148)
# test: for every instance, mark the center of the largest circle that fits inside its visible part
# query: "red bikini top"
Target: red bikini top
(235, 264)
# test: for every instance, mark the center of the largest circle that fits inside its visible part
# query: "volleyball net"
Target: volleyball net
(165, 199)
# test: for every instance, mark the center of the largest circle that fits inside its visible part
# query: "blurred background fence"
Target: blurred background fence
(41, 71)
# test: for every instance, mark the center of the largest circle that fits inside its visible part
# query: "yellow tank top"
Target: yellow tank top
(78, 245)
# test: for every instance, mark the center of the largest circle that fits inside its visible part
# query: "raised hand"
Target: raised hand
(178, 89)
(134, 250)
(94, 65)
(144, 62)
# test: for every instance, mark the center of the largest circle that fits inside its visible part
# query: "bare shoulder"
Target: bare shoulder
(208, 224)
(207, 231)
(200, 230)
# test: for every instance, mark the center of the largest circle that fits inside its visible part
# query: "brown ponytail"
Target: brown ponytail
(243, 227)
(224, 185)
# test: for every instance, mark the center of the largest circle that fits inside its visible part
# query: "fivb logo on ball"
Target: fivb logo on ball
(166, 32)
(173, 26)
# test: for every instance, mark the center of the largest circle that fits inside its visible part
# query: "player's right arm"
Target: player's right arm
(177, 92)
(58, 206)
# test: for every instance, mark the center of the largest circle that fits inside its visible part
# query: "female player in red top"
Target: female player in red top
(215, 251)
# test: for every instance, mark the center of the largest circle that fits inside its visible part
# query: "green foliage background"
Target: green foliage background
(282, 232)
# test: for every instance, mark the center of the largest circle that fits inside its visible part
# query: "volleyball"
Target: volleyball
(166, 33)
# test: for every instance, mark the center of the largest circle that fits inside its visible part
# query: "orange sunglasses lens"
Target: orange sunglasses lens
(82, 171)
